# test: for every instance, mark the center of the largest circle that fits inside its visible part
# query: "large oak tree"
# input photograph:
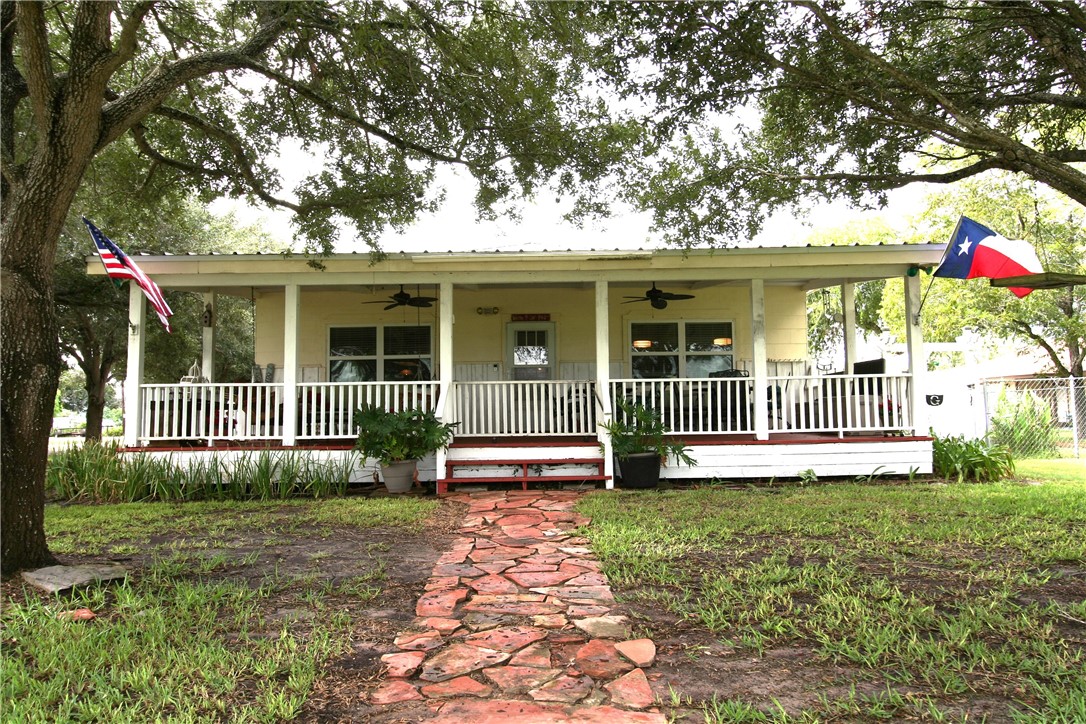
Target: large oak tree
(776, 102)
(380, 93)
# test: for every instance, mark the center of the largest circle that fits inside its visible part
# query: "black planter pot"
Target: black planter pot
(640, 470)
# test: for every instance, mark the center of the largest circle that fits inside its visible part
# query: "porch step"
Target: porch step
(523, 476)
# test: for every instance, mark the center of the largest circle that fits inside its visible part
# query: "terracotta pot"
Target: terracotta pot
(640, 470)
(399, 477)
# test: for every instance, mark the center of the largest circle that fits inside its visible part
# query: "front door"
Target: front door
(530, 350)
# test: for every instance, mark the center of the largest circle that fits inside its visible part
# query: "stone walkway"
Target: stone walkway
(516, 625)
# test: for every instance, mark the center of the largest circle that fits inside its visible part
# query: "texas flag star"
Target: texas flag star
(964, 248)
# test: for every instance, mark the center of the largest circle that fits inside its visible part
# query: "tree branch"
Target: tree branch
(1052, 353)
(126, 43)
(30, 17)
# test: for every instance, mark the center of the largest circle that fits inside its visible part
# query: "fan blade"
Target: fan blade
(423, 302)
(672, 295)
(637, 299)
(393, 306)
(428, 300)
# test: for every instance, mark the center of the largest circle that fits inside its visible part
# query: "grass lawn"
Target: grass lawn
(231, 612)
(1058, 470)
(847, 603)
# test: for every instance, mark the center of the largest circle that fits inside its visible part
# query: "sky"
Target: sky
(541, 227)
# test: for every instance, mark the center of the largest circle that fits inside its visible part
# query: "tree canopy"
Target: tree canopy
(771, 103)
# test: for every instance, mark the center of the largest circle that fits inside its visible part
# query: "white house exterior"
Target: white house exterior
(528, 351)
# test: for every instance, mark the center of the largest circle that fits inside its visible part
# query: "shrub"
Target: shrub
(978, 459)
(1024, 425)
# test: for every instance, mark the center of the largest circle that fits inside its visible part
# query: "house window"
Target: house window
(680, 349)
(389, 353)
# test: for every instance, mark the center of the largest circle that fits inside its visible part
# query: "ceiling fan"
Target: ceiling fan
(404, 299)
(658, 298)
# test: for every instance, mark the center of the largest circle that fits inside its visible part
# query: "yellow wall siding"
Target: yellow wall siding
(481, 338)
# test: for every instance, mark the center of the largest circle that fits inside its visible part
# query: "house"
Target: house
(528, 351)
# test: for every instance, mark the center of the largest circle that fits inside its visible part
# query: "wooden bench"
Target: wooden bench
(523, 477)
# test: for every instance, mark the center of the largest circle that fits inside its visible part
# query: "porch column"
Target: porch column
(290, 364)
(603, 378)
(133, 405)
(918, 364)
(444, 364)
(207, 363)
(761, 368)
(848, 311)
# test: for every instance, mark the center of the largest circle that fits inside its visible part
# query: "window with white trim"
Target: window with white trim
(389, 353)
(680, 349)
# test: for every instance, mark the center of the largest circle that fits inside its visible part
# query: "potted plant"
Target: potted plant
(398, 440)
(638, 441)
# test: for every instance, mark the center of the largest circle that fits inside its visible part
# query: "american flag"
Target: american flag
(119, 266)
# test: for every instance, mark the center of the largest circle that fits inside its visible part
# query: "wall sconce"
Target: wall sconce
(209, 316)
(723, 341)
(642, 344)
(486, 310)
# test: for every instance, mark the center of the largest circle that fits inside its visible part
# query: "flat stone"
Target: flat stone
(640, 652)
(544, 558)
(465, 570)
(494, 566)
(459, 660)
(604, 627)
(521, 519)
(575, 550)
(393, 692)
(497, 711)
(499, 553)
(537, 655)
(493, 583)
(514, 608)
(532, 568)
(520, 679)
(512, 638)
(554, 620)
(600, 660)
(423, 641)
(460, 686)
(440, 604)
(441, 625)
(440, 583)
(595, 593)
(566, 689)
(631, 690)
(588, 610)
(78, 614)
(536, 579)
(54, 579)
(483, 621)
(583, 564)
(588, 579)
(402, 665)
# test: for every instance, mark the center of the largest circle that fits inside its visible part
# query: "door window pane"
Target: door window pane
(530, 347)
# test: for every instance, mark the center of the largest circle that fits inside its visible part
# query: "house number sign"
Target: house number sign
(530, 317)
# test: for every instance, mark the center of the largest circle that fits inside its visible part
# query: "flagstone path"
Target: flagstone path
(516, 625)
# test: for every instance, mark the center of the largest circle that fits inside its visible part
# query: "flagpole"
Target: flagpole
(949, 244)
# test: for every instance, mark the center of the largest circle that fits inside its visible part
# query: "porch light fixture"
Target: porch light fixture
(642, 344)
(723, 341)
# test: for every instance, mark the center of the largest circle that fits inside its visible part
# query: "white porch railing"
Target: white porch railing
(326, 409)
(211, 411)
(528, 408)
(840, 403)
(692, 406)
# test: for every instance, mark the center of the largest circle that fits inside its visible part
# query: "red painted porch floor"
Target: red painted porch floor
(517, 625)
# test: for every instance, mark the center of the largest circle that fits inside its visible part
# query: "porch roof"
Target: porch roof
(810, 267)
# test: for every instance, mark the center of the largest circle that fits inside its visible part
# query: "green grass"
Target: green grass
(937, 592)
(193, 635)
(1063, 470)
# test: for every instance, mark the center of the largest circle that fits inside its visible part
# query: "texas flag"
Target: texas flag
(977, 251)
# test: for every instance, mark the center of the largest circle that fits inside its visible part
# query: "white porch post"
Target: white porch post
(918, 361)
(603, 378)
(848, 311)
(444, 363)
(761, 368)
(290, 364)
(133, 404)
(207, 363)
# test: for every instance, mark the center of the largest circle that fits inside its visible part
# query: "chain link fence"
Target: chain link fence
(1037, 417)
